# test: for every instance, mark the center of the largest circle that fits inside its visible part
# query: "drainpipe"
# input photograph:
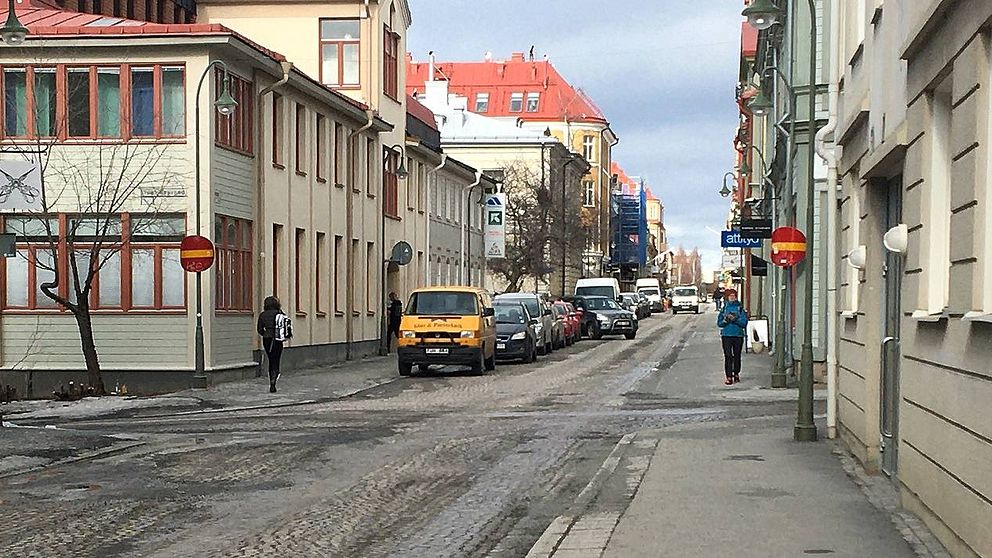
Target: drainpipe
(467, 257)
(427, 202)
(260, 222)
(829, 155)
(350, 232)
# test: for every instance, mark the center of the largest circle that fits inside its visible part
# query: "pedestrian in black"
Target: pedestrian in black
(395, 317)
(718, 298)
(272, 326)
(732, 322)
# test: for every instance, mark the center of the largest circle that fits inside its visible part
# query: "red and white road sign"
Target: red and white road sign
(788, 246)
(196, 254)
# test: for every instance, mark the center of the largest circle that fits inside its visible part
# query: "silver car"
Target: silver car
(546, 324)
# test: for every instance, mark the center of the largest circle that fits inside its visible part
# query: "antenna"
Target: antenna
(531, 53)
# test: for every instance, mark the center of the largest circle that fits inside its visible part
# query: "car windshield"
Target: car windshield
(685, 292)
(601, 304)
(648, 292)
(442, 304)
(630, 299)
(509, 314)
(604, 290)
(531, 303)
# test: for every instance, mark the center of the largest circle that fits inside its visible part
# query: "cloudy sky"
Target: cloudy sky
(664, 79)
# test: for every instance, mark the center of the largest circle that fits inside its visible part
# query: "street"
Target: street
(444, 465)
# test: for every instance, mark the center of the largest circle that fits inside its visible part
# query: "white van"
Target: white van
(651, 288)
(685, 298)
(601, 286)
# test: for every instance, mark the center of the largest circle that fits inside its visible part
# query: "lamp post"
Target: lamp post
(762, 14)
(401, 174)
(225, 105)
(13, 31)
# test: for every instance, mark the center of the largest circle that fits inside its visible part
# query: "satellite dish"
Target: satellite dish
(402, 253)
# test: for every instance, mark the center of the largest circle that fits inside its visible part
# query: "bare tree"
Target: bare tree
(528, 202)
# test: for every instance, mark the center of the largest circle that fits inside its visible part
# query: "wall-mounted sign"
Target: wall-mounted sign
(20, 186)
(756, 228)
(495, 229)
(759, 267)
(734, 239)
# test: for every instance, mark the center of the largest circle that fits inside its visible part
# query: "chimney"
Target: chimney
(517, 57)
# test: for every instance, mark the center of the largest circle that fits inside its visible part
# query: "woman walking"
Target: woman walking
(275, 328)
(732, 322)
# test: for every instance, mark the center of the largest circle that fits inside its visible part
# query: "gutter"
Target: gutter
(829, 155)
(467, 228)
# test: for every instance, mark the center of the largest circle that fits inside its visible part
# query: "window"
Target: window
(136, 268)
(589, 193)
(157, 101)
(390, 65)
(533, 101)
(370, 163)
(319, 170)
(301, 139)
(318, 274)
(370, 269)
(277, 130)
(589, 148)
(300, 267)
(235, 130)
(338, 253)
(339, 52)
(276, 254)
(412, 182)
(482, 102)
(233, 239)
(353, 265)
(340, 152)
(46, 103)
(516, 102)
(937, 204)
(390, 186)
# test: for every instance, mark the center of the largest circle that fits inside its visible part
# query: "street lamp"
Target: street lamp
(762, 14)
(760, 105)
(224, 105)
(13, 32)
(401, 172)
(726, 191)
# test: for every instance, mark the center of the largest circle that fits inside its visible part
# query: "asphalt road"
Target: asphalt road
(447, 465)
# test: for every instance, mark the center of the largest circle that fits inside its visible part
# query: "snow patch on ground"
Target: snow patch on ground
(93, 406)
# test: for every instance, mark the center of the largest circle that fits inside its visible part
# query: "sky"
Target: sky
(664, 79)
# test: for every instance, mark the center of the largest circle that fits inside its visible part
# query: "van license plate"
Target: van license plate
(436, 351)
(501, 346)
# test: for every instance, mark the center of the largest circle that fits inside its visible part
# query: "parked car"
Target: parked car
(587, 318)
(601, 286)
(541, 310)
(515, 334)
(448, 325)
(571, 318)
(652, 289)
(685, 299)
(608, 317)
(646, 302)
(636, 304)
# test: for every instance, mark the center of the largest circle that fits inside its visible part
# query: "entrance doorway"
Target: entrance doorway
(891, 348)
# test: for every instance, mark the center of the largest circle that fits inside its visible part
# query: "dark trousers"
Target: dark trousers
(732, 347)
(273, 351)
(394, 331)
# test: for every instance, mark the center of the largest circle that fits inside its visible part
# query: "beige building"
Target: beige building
(290, 198)
(915, 297)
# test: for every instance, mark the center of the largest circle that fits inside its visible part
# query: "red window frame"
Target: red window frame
(340, 44)
(277, 157)
(301, 132)
(390, 62)
(235, 264)
(234, 131)
(390, 186)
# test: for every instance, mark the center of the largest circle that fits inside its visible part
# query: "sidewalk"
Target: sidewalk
(737, 487)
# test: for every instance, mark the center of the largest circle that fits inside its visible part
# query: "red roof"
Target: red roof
(43, 22)
(501, 78)
(417, 110)
(627, 184)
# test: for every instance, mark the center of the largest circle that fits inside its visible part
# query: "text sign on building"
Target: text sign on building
(734, 239)
(20, 186)
(756, 228)
(495, 217)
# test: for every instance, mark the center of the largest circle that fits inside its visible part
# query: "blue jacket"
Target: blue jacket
(737, 327)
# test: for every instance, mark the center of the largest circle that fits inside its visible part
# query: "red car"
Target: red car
(572, 319)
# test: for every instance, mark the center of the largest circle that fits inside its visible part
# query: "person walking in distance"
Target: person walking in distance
(732, 322)
(718, 297)
(395, 316)
(275, 328)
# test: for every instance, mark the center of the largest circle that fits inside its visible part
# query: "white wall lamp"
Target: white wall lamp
(856, 258)
(897, 239)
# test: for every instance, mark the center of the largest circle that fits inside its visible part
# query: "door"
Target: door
(892, 309)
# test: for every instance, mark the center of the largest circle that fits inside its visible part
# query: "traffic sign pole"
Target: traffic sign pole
(196, 255)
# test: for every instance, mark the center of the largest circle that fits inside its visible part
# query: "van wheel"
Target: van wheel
(423, 368)
(479, 366)
(405, 368)
(490, 363)
(674, 311)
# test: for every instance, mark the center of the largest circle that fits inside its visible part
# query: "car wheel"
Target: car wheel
(490, 363)
(695, 310)
(533, 352)
(549, 346)
(479, 366)
(630, 334)
(405, 368)
(542, 350)
(596, 332)
(674, 311)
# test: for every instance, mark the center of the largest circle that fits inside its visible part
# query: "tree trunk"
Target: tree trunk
(94, 378)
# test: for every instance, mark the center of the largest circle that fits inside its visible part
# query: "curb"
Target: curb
(96, 454)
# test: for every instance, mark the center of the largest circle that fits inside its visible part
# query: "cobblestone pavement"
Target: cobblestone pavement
(434, 466)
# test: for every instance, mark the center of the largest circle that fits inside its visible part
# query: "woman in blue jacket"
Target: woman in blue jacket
(732, 322)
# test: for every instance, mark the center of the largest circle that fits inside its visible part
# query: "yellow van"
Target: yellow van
(448, 325)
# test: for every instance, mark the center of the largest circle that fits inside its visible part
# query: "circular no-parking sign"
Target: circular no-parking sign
(196, 254)
(788, 246)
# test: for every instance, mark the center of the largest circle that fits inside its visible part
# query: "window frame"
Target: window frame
(390, 184)
(235, 132)
(301, 139)
(338, 248)
(277, 126)
(515, 98)
(235, 266)
(320, 161)
(320, 246)
(589, 193)
(341, 44)
(300, 262)
(535, 98)
(481, 106)
(589, 148)
(390, 62)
